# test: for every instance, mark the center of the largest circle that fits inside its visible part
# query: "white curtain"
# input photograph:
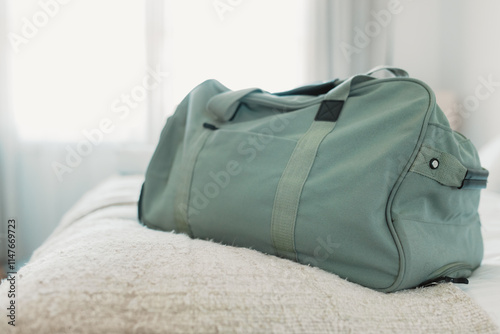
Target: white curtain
(349, 37)
(8, 142)
(157, 53)
(30, 190)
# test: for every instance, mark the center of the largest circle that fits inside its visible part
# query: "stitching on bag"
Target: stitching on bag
(436, 224)
(390, 222)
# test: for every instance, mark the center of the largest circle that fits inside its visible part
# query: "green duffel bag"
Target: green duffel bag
(360, 177)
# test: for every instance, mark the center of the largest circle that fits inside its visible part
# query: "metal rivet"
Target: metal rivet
(434, 163)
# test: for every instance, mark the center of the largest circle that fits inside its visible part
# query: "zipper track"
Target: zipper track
(449, 269)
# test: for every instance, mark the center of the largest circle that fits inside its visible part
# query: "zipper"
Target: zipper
(451, 268)
(444, 279)
(441, 275)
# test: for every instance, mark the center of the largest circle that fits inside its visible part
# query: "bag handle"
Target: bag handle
(223, 106)
(323, 88)
(296, 172)
(397, 72)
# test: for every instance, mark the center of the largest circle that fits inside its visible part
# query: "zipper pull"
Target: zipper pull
(210, 126)
(444, 279)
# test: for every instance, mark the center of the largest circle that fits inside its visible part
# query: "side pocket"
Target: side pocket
(434, 250)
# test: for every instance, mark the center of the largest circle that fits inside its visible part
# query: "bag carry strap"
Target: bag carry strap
(223, 106)
(446, 169)
(296, 172)
(289, 190)
(323, 88)
(397, 72)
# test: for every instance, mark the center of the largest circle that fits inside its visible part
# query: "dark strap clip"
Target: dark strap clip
(210, 126)
(475, 179)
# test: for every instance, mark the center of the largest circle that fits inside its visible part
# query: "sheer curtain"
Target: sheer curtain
(74, 84)
(8, 142)
(350, 36)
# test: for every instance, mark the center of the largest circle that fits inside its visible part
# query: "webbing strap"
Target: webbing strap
(447, 170)
(182, 195)
(289, 190)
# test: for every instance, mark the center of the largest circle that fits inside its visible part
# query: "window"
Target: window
(78, 66)
(73, 65)
(242, 44)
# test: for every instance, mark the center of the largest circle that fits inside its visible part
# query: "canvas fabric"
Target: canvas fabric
(361, 177)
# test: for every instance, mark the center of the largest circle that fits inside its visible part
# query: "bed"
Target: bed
(101, 271)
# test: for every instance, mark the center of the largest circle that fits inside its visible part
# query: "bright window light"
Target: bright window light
(71, 62)
(82, 65)
(242, 44)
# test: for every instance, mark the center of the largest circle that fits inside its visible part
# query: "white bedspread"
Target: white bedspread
(102, 272)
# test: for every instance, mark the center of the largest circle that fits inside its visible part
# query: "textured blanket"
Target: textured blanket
(102, 272)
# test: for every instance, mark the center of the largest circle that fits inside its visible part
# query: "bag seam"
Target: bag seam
(400, 278)
(438, 224)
